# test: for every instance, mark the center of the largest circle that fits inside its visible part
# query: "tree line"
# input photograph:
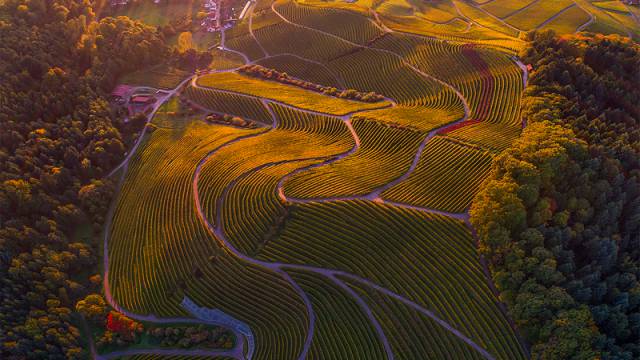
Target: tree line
(559, 217)
(261, 72)
(58, 139)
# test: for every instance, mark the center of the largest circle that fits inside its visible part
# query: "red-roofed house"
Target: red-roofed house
(142, 99)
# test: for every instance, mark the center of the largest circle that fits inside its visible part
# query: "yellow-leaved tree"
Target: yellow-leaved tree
(185, 41)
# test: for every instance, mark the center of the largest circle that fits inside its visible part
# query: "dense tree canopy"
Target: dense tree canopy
(59, 138)
(559, 216)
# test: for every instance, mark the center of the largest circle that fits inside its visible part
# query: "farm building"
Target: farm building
(142, 99)
(244, 10)
(119, 94)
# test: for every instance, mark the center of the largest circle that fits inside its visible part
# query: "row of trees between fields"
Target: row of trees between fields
(262, 72)
(228, 119)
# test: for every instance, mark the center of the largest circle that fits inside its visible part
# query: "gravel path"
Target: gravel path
(336, 276)
(160, 101)
(331, 274)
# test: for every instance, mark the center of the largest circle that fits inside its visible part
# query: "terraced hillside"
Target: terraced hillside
(564, 16)
(333, 227)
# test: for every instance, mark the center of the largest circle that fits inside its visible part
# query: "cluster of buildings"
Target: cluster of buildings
(212, 21)
(219, 13)
(134, 99)
(222, 14)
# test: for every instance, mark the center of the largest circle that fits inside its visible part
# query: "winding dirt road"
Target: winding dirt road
(156, 106)
(333, 275)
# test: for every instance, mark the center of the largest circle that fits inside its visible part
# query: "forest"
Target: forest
(559, 217)
(557, 220)
(59, 139)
